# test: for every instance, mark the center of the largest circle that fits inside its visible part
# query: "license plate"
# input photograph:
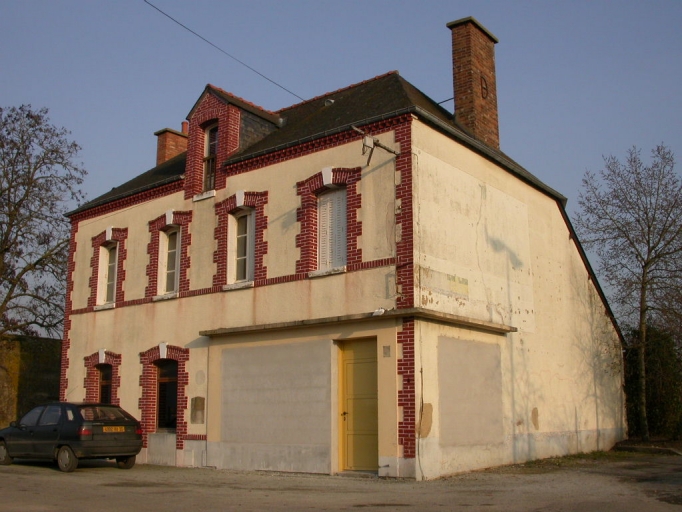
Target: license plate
(113, 429)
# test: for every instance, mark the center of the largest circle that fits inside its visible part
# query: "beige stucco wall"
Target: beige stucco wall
(492, 248)
(487, 247)
(133, 329)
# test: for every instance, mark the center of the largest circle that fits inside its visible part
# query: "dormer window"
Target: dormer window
(210, 153)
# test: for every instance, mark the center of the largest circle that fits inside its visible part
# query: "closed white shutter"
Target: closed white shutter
(324, 207)
(331, 233)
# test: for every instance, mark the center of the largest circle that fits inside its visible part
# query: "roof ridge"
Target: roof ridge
(378, 77)
(239, 98)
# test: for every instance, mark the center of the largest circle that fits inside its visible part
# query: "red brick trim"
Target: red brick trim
(210, 111)
(68, 312)
(404, 218)
(127, 202)
(196, 437)
(406, 396)
(118, 235)
(306, 240)
(181, 220)
(91, 381)
(148, 383)
(227, 207)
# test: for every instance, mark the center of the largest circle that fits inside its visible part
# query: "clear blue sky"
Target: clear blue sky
(576, 79)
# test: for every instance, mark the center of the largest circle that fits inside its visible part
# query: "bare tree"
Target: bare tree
(631, 216)
(39, 181)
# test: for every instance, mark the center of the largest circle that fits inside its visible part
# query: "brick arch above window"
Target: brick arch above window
(309, 190)
(231, 206)
(169, 220)
(149, 383)
(109, 235)
(92, 383)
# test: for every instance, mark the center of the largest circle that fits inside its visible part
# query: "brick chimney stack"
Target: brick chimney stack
(170, 143)
(475, 86)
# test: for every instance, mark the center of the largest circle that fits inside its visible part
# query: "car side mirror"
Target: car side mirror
(13, 424)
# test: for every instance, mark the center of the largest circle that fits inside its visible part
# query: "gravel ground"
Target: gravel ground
(616, 481)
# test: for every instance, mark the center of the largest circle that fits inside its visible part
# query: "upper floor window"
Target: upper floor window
(172, 261)
(244, 228)
(331, 229)
(210, 154)
(111, 258)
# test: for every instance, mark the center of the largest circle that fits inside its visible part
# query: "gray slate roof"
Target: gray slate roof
(383, 97)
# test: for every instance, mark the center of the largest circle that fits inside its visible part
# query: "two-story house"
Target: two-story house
(361, 281)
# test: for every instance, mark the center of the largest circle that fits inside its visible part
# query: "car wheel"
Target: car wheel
(66, 460)
(125, 462)
(5, 459)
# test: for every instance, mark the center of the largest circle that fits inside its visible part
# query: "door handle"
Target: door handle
(344, 414)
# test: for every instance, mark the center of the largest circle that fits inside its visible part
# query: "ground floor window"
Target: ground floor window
(104, 383)
(167, 380)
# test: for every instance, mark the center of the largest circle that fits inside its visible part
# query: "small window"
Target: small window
(210, 154)
(331, 232)
(172, 261)
(104, 371)
(244, 246)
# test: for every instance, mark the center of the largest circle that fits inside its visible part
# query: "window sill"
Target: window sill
(165, 296)
(204, 195)
(102, 307)
(238, 286)
(327, 272)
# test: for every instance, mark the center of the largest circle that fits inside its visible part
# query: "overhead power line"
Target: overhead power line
(223, 51)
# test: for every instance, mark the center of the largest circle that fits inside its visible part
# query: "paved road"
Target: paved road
(631, 482)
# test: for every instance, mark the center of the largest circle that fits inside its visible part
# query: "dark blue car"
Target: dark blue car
(66, 432)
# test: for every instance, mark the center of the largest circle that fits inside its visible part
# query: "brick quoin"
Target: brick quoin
(406, 395)
(405, 283)
(149, 397)
(306, 214)
(68, 310)
(227, 207)
(91, 381)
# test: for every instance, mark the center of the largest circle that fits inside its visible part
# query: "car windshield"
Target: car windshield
(101, 412)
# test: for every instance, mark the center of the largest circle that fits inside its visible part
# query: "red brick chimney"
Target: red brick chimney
(170, 143)
(473, 70)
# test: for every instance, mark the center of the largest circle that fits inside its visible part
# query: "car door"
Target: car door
(20, 440)
(47, 432)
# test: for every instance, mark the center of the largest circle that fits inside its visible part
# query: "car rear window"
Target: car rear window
(102, 413)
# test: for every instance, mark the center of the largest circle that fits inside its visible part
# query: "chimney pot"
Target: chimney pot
(475, 84)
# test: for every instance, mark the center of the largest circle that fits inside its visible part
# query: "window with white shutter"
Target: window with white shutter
(331, 232)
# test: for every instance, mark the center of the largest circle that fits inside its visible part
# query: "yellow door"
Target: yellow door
(358, 401)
